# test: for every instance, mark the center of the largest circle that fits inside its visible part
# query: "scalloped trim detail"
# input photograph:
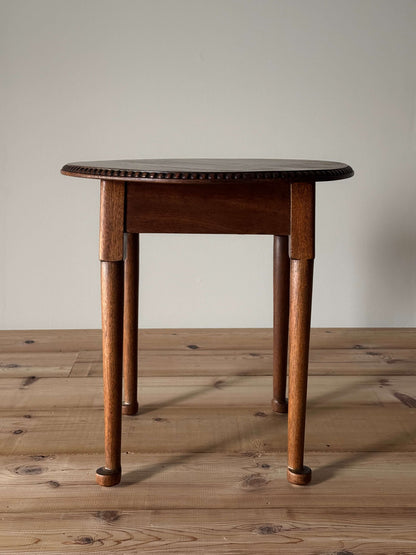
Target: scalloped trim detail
(339, 173)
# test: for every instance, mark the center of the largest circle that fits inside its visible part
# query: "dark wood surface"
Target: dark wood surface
(302, 221)
(211, 169)
(112, 323)
(188, 207)
(131, 318)
(301, 277)
(112, 220)
(112, 297)
(281, 276)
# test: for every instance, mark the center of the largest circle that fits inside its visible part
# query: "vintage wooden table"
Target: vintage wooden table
(247, 196)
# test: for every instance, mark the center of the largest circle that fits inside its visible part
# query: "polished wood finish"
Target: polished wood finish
(111, 220)
(302, 253)
(250, 196)
(131, 309)
(112, 324)
(281, 272)
(302, 221)
(202, 466)
(238, 207)
(201, 169)
(301, 272)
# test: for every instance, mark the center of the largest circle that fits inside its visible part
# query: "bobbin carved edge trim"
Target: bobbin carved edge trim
(114, 173)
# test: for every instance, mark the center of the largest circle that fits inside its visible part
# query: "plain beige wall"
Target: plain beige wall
(97, 79)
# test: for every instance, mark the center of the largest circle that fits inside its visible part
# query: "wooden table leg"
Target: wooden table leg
(112, 322)
(302, 253)
(281, 270)
(112, 293)
(131, 284)
(301, 273)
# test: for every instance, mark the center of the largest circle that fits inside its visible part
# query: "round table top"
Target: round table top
(195, 169)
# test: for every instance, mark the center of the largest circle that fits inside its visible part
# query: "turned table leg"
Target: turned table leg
(301, 273)
(112, 322)
(131, 284)
(302, 253)
(112, 289)
(281, 265)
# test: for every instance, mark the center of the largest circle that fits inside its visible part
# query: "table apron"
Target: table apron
(189, 207)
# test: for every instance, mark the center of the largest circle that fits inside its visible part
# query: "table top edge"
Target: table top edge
(102, 170)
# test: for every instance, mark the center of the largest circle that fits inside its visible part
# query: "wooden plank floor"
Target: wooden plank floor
(204, 462)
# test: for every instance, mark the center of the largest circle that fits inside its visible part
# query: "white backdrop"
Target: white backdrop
(97, 79)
